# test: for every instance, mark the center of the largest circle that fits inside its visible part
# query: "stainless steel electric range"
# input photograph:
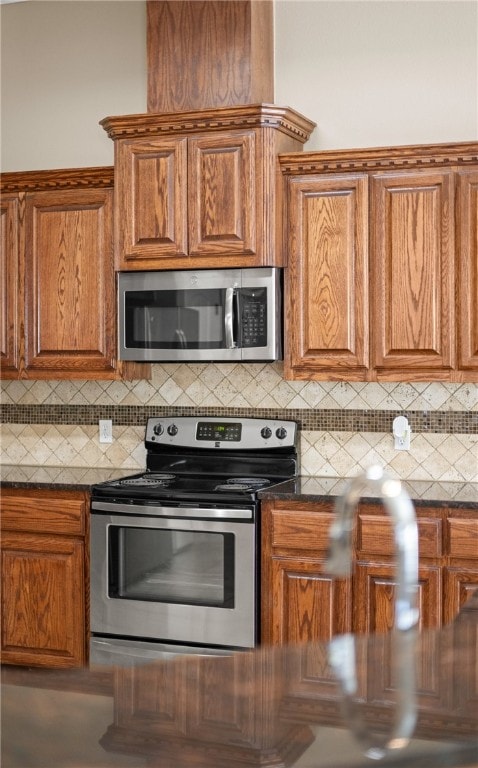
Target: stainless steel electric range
(175, 549)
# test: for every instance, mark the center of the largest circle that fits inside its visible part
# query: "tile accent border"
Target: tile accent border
(326, 420)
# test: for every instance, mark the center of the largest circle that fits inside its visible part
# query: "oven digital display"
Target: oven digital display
(219, 431)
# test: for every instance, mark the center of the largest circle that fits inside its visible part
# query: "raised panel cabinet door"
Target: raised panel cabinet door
(412, 273)
(222, 198)
(467, 261)
(9, 287)
(375, 592)
(70, 289)
(326, 322)
(43, 600)
(308, 604)
(460, 582)
(151, 203)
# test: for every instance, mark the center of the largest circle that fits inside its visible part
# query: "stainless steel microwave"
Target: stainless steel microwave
(200, 315)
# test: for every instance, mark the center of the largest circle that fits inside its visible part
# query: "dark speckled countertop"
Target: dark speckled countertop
(274, 707)
(422, 492)
(59, 478)
(304, 488)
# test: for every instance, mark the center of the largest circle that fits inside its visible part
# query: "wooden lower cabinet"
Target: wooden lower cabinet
(44, 578)
(301, 604)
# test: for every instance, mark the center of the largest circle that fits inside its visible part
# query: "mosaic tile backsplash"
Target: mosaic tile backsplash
(343, 427)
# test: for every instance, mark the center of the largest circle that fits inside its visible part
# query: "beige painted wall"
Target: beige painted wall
(369, 73)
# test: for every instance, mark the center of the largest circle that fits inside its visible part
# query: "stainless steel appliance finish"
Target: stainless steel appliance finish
(201, 315)
(174, 550)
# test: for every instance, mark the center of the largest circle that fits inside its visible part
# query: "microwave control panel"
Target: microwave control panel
(254, 317)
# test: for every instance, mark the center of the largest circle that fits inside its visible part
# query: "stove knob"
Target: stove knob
(158, 429)
(172, 430)
(281, 432)
(266, 432)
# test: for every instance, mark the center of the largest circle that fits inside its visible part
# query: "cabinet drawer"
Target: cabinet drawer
(44, 511)
(375, 536)
(301, 529)
(463, 538)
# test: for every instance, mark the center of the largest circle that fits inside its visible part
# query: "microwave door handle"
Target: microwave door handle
(229, 319)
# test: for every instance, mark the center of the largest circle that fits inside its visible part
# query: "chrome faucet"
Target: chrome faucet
(342, 648)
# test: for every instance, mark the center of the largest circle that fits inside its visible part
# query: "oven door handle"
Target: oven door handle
(247, 513)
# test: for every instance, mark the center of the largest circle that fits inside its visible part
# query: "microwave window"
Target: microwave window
(179, 319)
(169, 566)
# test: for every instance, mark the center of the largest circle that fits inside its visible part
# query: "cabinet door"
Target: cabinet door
(222, 199)
(461, 573)
(9, 287)
(70, 296)
(43, 600)
(375, 593)
(310, 605)
(412, 269)
(327, 280)
(300, 602)
(151, 203)
(467, 261)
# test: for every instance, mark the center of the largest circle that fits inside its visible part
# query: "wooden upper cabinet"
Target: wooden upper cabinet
(58, 316)
(9, 285)
(68, 294)
(222, 182)
(412, 269)
(382, 280)
(467, 277)
(327, 279)
(150, 220)
(186, 198)
(199, 189)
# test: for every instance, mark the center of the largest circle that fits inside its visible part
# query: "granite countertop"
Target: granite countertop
(422, 492)
(270, 707)
(304, 488)
(60, 478)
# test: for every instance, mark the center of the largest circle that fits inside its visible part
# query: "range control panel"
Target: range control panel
(246, 434)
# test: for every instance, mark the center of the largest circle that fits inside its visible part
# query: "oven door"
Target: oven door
(174, 578)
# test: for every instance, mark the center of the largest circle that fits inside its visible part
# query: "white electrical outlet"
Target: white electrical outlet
(402, 432)
(106, 431)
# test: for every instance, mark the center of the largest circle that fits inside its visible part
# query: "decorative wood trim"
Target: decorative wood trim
(249, 116)
(380, 158)
(62, 178)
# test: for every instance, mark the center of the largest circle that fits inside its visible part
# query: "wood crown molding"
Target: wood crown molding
(62, 178)
(284, 119)
(380, 158)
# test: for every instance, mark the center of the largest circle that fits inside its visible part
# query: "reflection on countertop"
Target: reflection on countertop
(423, 492)
(271, 707)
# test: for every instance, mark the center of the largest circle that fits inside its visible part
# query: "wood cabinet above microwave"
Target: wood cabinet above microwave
(200, 188)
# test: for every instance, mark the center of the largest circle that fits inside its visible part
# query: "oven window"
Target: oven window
(169, 566)
(181, 319)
